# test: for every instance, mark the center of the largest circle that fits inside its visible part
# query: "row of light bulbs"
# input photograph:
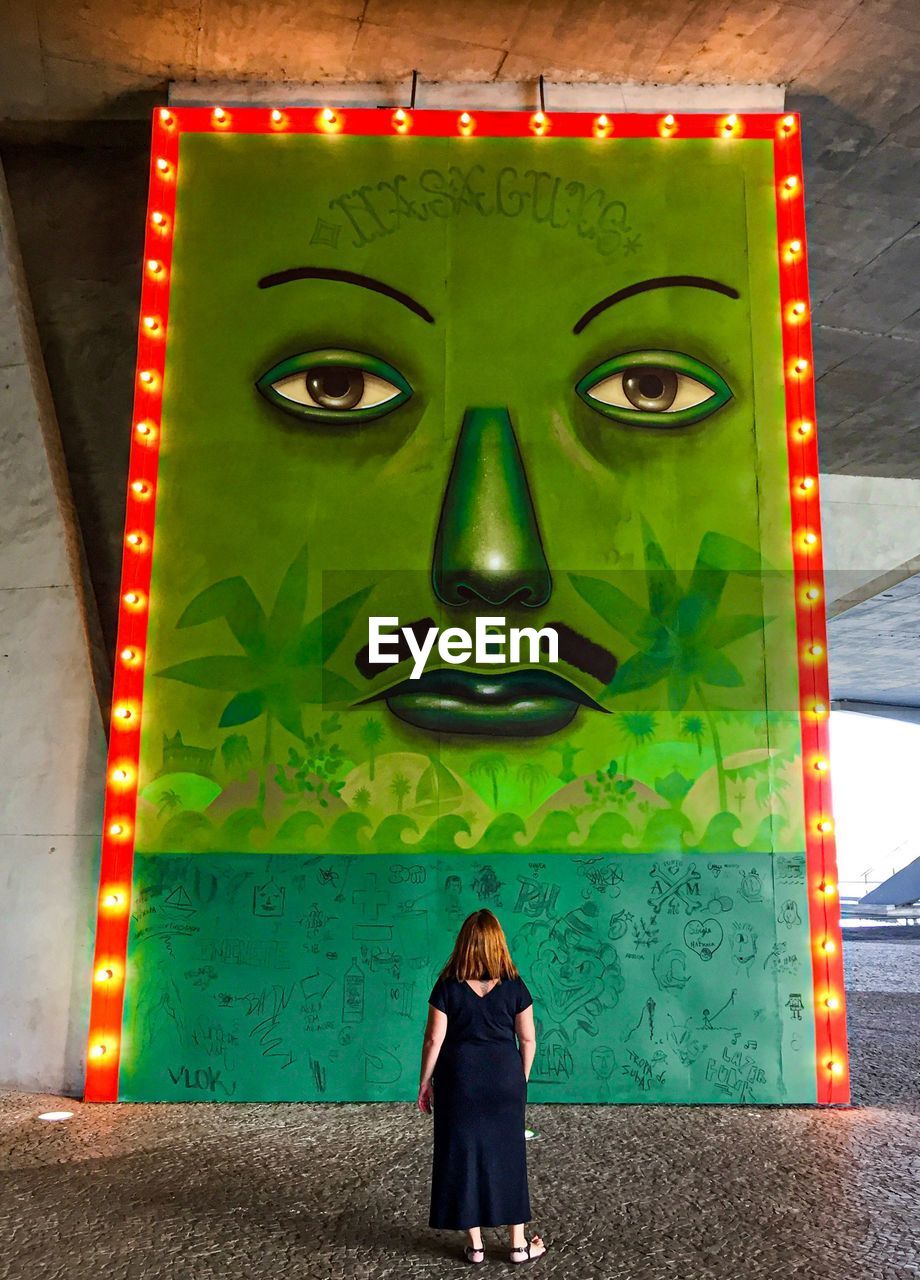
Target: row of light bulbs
(331, 121)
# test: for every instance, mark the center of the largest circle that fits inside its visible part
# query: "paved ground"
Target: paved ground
(335, 1192)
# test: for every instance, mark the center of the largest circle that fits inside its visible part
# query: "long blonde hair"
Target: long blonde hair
(480, 951)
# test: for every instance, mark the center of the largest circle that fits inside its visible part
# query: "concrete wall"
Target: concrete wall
(52, 746)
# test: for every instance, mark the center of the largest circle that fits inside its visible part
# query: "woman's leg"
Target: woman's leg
(475, 1245)
(519, 1244)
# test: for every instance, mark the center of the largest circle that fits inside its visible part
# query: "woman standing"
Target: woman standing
(474, 1074)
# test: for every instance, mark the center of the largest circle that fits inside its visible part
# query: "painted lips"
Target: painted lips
(519, 704)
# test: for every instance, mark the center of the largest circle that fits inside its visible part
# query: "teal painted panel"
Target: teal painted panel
(305, 978)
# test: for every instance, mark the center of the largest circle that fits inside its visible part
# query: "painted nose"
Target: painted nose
(488, 546)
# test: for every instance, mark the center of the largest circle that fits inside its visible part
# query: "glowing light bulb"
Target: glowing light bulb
(134, 540)
(807, 483)
(132, 598)
(165, 116)
(601, 124)
(158, 219)
(730, 124)
(116, 829)
(813, 593)
(831, 1002)
(97, 1051)
(835, 1067)
(138, 487)
(667, 124)
(120, 775)
(400, 119)
(819, 710)
(162, 165)
(465, 122)
(822, 765)
(816, 650)
(810, 539)
(122, 713)
(104, 975)
(112, 900)
(787, 124)
(828, 946)
(147, 377)
(219, 114)
(143, 429)
(151, 324)
(825, 826)
(800, 366)
(828, 888)
(154, 266)
(795, 246)
(805, 427)
(329, 115)
(791, 183)
(277, 116)
(538, 122)
(128, 655)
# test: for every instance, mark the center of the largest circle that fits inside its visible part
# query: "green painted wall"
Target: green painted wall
(308, 845)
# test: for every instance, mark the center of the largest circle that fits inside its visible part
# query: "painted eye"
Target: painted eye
(335, 386)
(654, 389)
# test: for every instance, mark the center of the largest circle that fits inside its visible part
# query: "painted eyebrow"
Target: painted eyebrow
(346, 277)
(658, 282)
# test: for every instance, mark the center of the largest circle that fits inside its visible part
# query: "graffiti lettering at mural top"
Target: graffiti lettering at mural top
(472, 585)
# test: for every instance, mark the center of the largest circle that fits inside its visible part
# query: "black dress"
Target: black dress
(479, 1167)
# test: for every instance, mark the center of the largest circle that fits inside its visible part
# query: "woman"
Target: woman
(474, 1075)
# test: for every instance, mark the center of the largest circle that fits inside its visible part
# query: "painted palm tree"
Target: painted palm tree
(679, 637)
(637, 727)
(491, 765)
(283, 663)
(532, 775)
(361, 799)
(371, 736)
(236, 754)
(693, 727)
(399, 789)
(168, 802)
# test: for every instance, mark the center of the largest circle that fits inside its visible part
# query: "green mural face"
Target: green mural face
(424, 381)
(448, 401)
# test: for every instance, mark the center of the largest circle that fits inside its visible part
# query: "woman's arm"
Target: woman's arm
(527, 1038)
(435, 1032)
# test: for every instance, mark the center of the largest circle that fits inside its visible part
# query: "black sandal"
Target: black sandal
(468, 1249)
(525, 1249)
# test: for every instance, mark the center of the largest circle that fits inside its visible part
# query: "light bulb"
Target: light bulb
(800, 366)
(138, 487)
(277, 116)
(805, 427)
(812, 593)
(825, 825)
(158, 219)
(601, 124)
(154, 266)
(819, 709)
(104, 975)
(538, 122)
(465, 121)
(147, 377)
(120, 775)
(832, 1002)
(97, 1051)
(165, 116)
(787, 124)
(807, 483)
(162, 164)
(329, 115)
(834, 1067)
(131, 597)
(128, 655)
(810, 539)
(791, 182)
(730, 123)
(816, 650)
(151, 324)
(828, 888)
(220, 115)
(122, 713)
(822, 765)
(134, 540)
(143, 429)
(116, 829)
(795, 246)
(829, 946)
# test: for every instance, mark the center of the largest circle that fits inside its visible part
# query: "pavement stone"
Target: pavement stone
(340, 1192)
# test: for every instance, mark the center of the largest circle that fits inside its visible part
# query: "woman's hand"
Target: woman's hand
(425, 1096)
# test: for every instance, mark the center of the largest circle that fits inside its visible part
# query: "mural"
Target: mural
(472, 584)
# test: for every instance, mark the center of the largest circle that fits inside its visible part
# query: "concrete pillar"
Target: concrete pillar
(52, 745)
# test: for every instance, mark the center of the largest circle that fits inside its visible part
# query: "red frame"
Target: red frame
(103, 1050)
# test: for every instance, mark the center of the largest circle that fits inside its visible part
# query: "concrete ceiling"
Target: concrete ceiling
(851, 67)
